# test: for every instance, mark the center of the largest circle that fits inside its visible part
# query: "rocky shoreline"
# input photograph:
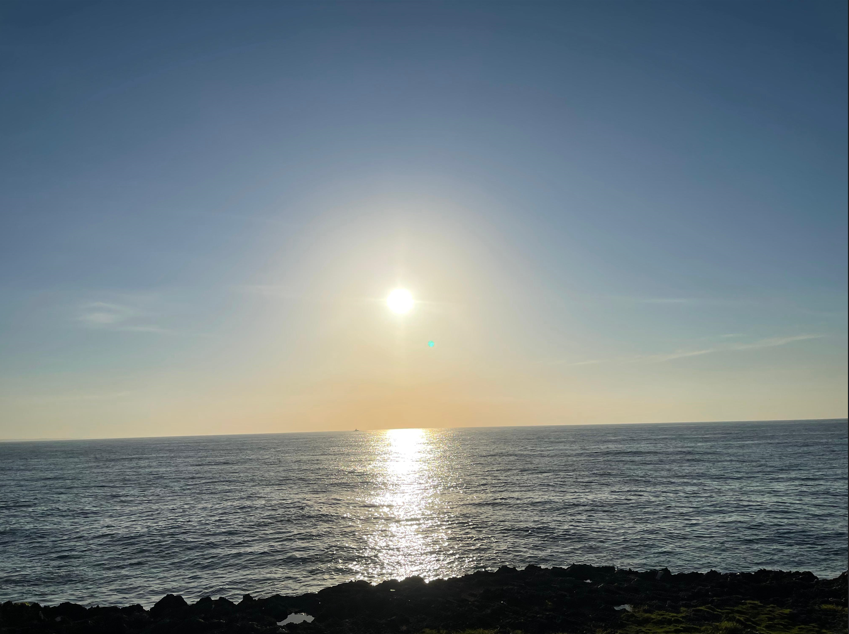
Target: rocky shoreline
(575, 600)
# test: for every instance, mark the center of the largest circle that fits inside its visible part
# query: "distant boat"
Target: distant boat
(356, 430)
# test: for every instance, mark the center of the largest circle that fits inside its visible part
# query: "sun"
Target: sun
(400, 301)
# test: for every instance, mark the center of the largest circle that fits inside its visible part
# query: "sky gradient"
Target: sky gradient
(606, 213)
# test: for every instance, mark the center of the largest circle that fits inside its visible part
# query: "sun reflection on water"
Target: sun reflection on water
(404, 456)
(408, 535)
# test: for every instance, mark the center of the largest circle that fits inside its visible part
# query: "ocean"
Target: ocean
(115, 522)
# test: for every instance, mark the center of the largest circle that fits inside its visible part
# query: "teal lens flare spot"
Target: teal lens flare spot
(430, 344)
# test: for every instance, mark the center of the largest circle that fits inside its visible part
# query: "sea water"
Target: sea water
(127, 521)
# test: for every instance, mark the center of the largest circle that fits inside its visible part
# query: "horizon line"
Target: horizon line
(381, 429)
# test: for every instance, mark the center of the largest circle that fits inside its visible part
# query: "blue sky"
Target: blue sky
(607, 212)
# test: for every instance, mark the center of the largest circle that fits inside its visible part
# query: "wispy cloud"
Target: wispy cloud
(56, 398)
(663, 300)
(680, 354)
(255, 218)
(669, 300)
(98, 314)
(268, 290)
(116, 316)
(151, 328)
(772, 342)
(686, 301)
(719, 302)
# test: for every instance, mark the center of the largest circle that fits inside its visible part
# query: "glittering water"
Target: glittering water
(123, 521)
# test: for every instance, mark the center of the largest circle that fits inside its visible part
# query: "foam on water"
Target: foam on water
(127, 521)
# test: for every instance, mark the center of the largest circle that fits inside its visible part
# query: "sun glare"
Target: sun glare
(400, 301)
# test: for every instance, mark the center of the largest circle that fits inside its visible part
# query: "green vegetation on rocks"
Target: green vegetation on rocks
(749, 617)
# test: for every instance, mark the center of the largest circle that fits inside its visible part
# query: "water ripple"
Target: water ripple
(117, 522)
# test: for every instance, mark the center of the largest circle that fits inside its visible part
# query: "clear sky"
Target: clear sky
(605, 212)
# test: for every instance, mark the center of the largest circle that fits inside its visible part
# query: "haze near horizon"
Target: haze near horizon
(600, 212)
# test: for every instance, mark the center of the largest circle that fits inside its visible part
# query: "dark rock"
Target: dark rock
(67, 612)
(535, 600)
(169, 606)
(21, 613)
(224, 607)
